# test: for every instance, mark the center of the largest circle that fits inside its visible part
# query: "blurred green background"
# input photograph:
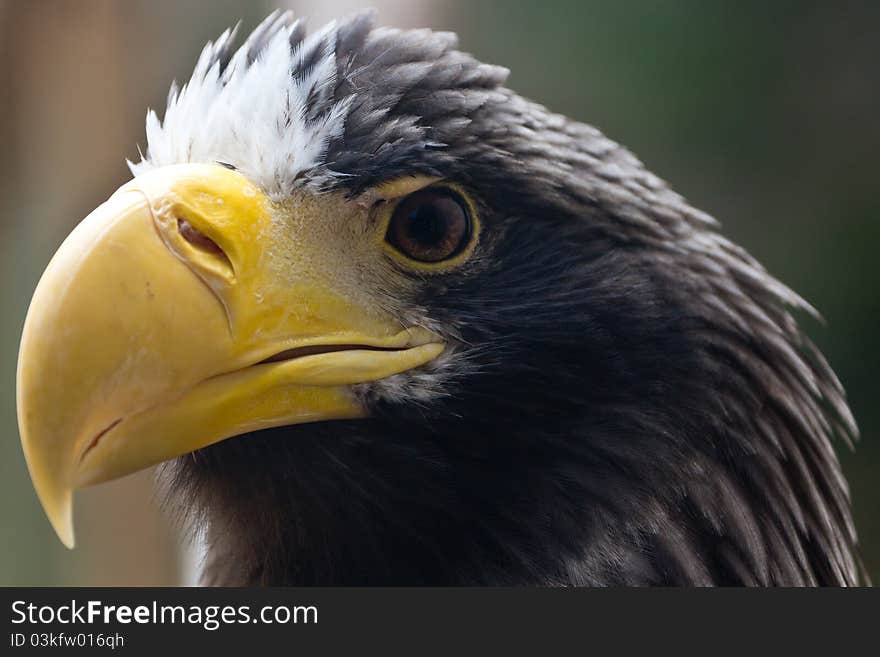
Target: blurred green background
(763, 114)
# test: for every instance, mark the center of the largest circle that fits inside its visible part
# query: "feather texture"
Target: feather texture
(630, 400)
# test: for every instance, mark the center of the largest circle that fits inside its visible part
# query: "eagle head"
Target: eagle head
(387, 321)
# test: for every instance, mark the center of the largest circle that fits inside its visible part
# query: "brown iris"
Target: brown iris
(430, 225)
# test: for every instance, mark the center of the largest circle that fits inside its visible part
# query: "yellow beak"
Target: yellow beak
(185, 310)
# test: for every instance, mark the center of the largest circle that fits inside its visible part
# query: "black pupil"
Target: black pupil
(427, 223)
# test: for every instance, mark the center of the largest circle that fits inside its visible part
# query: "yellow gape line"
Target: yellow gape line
(181, 312)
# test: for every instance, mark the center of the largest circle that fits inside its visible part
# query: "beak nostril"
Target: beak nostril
(198, 239)
(201, 252)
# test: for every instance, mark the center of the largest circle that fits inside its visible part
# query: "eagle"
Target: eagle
(386, 321)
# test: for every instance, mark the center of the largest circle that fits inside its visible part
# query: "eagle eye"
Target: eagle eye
(431, 225)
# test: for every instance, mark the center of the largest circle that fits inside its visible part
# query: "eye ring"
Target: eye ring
(431, 226)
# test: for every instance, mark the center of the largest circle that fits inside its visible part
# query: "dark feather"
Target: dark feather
(632, 402)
